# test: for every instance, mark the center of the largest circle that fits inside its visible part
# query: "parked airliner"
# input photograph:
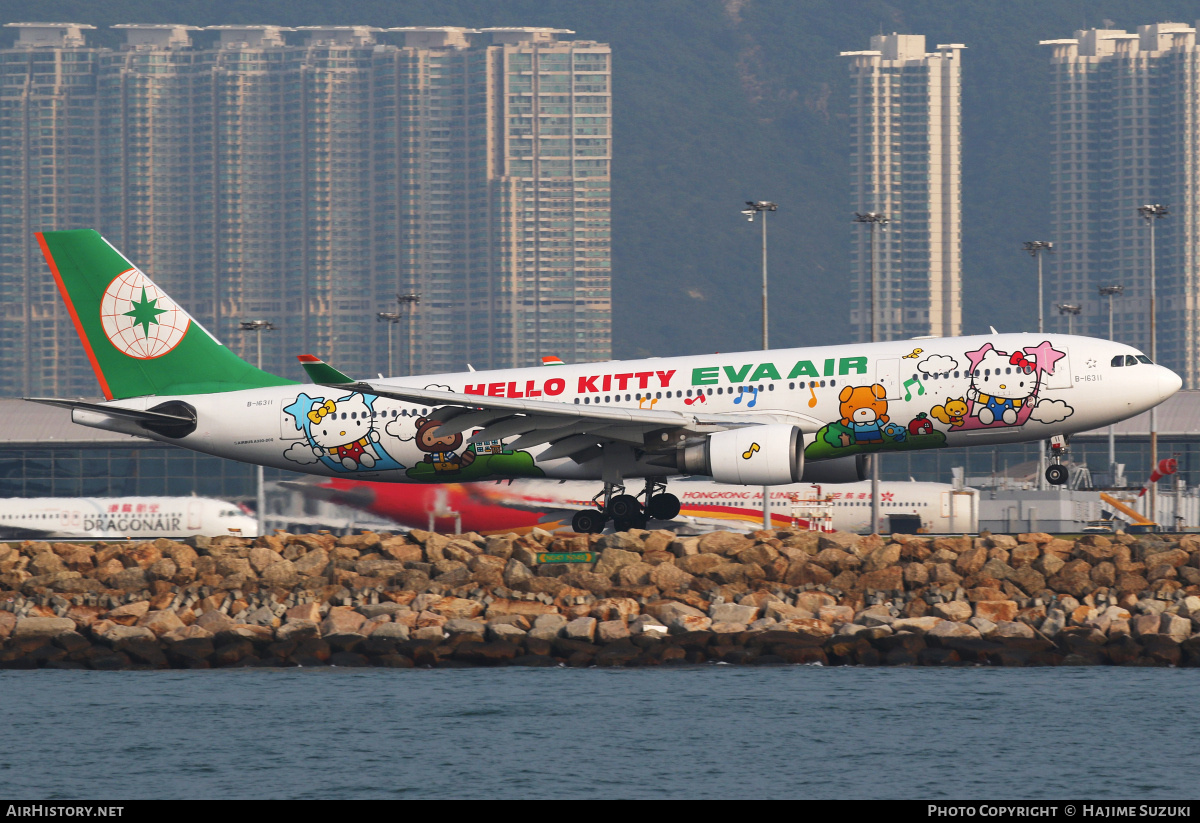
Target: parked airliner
(760, 418)
(108, 518)
(520, 505)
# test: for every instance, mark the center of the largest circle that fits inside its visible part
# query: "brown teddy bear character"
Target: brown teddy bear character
(864, 410)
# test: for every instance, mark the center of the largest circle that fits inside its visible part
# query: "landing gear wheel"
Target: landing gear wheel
(663, 507)
(588, 521)
(633, 523)
(624, 507)
(1056, 475)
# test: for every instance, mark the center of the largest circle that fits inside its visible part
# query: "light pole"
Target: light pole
(1036, 248)
(391, 318)
(258, 327)
(1151, 212)
(408, 303)
(1110, 292)
(873, 219)
(754, 207)
(1071, 311)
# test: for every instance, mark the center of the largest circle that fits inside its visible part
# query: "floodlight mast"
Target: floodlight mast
(1151, 212)
(1036, 248)
(754, 207)
(260, 494)
(873, 219)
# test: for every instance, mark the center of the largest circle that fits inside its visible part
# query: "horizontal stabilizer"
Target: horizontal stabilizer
(173, 419)
(321, 372)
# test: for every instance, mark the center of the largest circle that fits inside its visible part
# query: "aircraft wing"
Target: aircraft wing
(570, 428)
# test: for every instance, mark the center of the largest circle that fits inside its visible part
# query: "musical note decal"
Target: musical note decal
(642, 400)
(754, 447)
(812, 403)
(744, 390)
(697, 399)
(908, 389)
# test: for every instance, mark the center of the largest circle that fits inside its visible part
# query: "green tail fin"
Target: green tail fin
(138, 340)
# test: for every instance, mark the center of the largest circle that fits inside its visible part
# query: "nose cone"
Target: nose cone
(1168, 383)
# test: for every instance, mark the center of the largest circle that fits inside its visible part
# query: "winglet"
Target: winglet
(321, 372)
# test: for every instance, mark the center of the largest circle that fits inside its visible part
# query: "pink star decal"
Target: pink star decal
(1045, 355)
(976, 357)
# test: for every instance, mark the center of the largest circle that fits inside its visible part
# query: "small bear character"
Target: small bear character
(864, 410)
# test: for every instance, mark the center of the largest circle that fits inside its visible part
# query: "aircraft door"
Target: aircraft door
(195, 517)
(1061, 379)
(887, 374)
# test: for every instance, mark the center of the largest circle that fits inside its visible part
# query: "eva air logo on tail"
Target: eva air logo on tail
(139, 319)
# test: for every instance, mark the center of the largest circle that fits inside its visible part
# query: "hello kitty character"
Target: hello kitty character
(345, 430)
(1002, 384)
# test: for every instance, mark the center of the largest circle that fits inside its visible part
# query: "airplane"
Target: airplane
(107, 518)
(758, 418)
(520, 505)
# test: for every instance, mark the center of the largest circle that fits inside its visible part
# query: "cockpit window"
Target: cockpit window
(1130, 360)
(1144, 359)
(1119, 360)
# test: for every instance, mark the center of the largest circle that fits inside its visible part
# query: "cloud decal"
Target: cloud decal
(1051, 411)
(302, 453)
(937, 364)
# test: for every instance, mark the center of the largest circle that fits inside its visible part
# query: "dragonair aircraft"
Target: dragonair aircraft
(760, 418)
(106, 518)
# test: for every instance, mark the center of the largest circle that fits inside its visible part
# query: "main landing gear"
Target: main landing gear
(1056, 472)
(626, 510)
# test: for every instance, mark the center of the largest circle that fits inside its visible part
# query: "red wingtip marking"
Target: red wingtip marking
(62, 289)
(308, 358)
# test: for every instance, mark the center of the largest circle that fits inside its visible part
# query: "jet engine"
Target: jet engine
(838, 470)
(771, 455)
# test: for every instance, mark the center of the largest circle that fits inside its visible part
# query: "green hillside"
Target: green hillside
(716, 103)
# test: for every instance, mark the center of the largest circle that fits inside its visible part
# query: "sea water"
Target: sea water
(693, 731)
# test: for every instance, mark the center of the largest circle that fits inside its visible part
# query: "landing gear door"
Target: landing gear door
(887, 374)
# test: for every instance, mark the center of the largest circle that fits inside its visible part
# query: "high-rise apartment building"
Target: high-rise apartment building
(906, 164)
(1125, 126)
(307, 177)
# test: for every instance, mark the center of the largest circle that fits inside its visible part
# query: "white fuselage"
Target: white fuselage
(942, 508)
(937, 392)
(67, 518)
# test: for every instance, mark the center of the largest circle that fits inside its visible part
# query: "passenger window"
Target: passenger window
(1130, 360)
(1119, 360)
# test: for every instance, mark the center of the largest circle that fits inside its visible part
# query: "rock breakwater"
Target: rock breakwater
(647, 598)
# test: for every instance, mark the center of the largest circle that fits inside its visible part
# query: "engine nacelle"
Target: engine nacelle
(751, 456)
(838, 470)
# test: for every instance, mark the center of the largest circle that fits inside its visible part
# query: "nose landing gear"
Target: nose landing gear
(625, 510)
(1056, 472)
